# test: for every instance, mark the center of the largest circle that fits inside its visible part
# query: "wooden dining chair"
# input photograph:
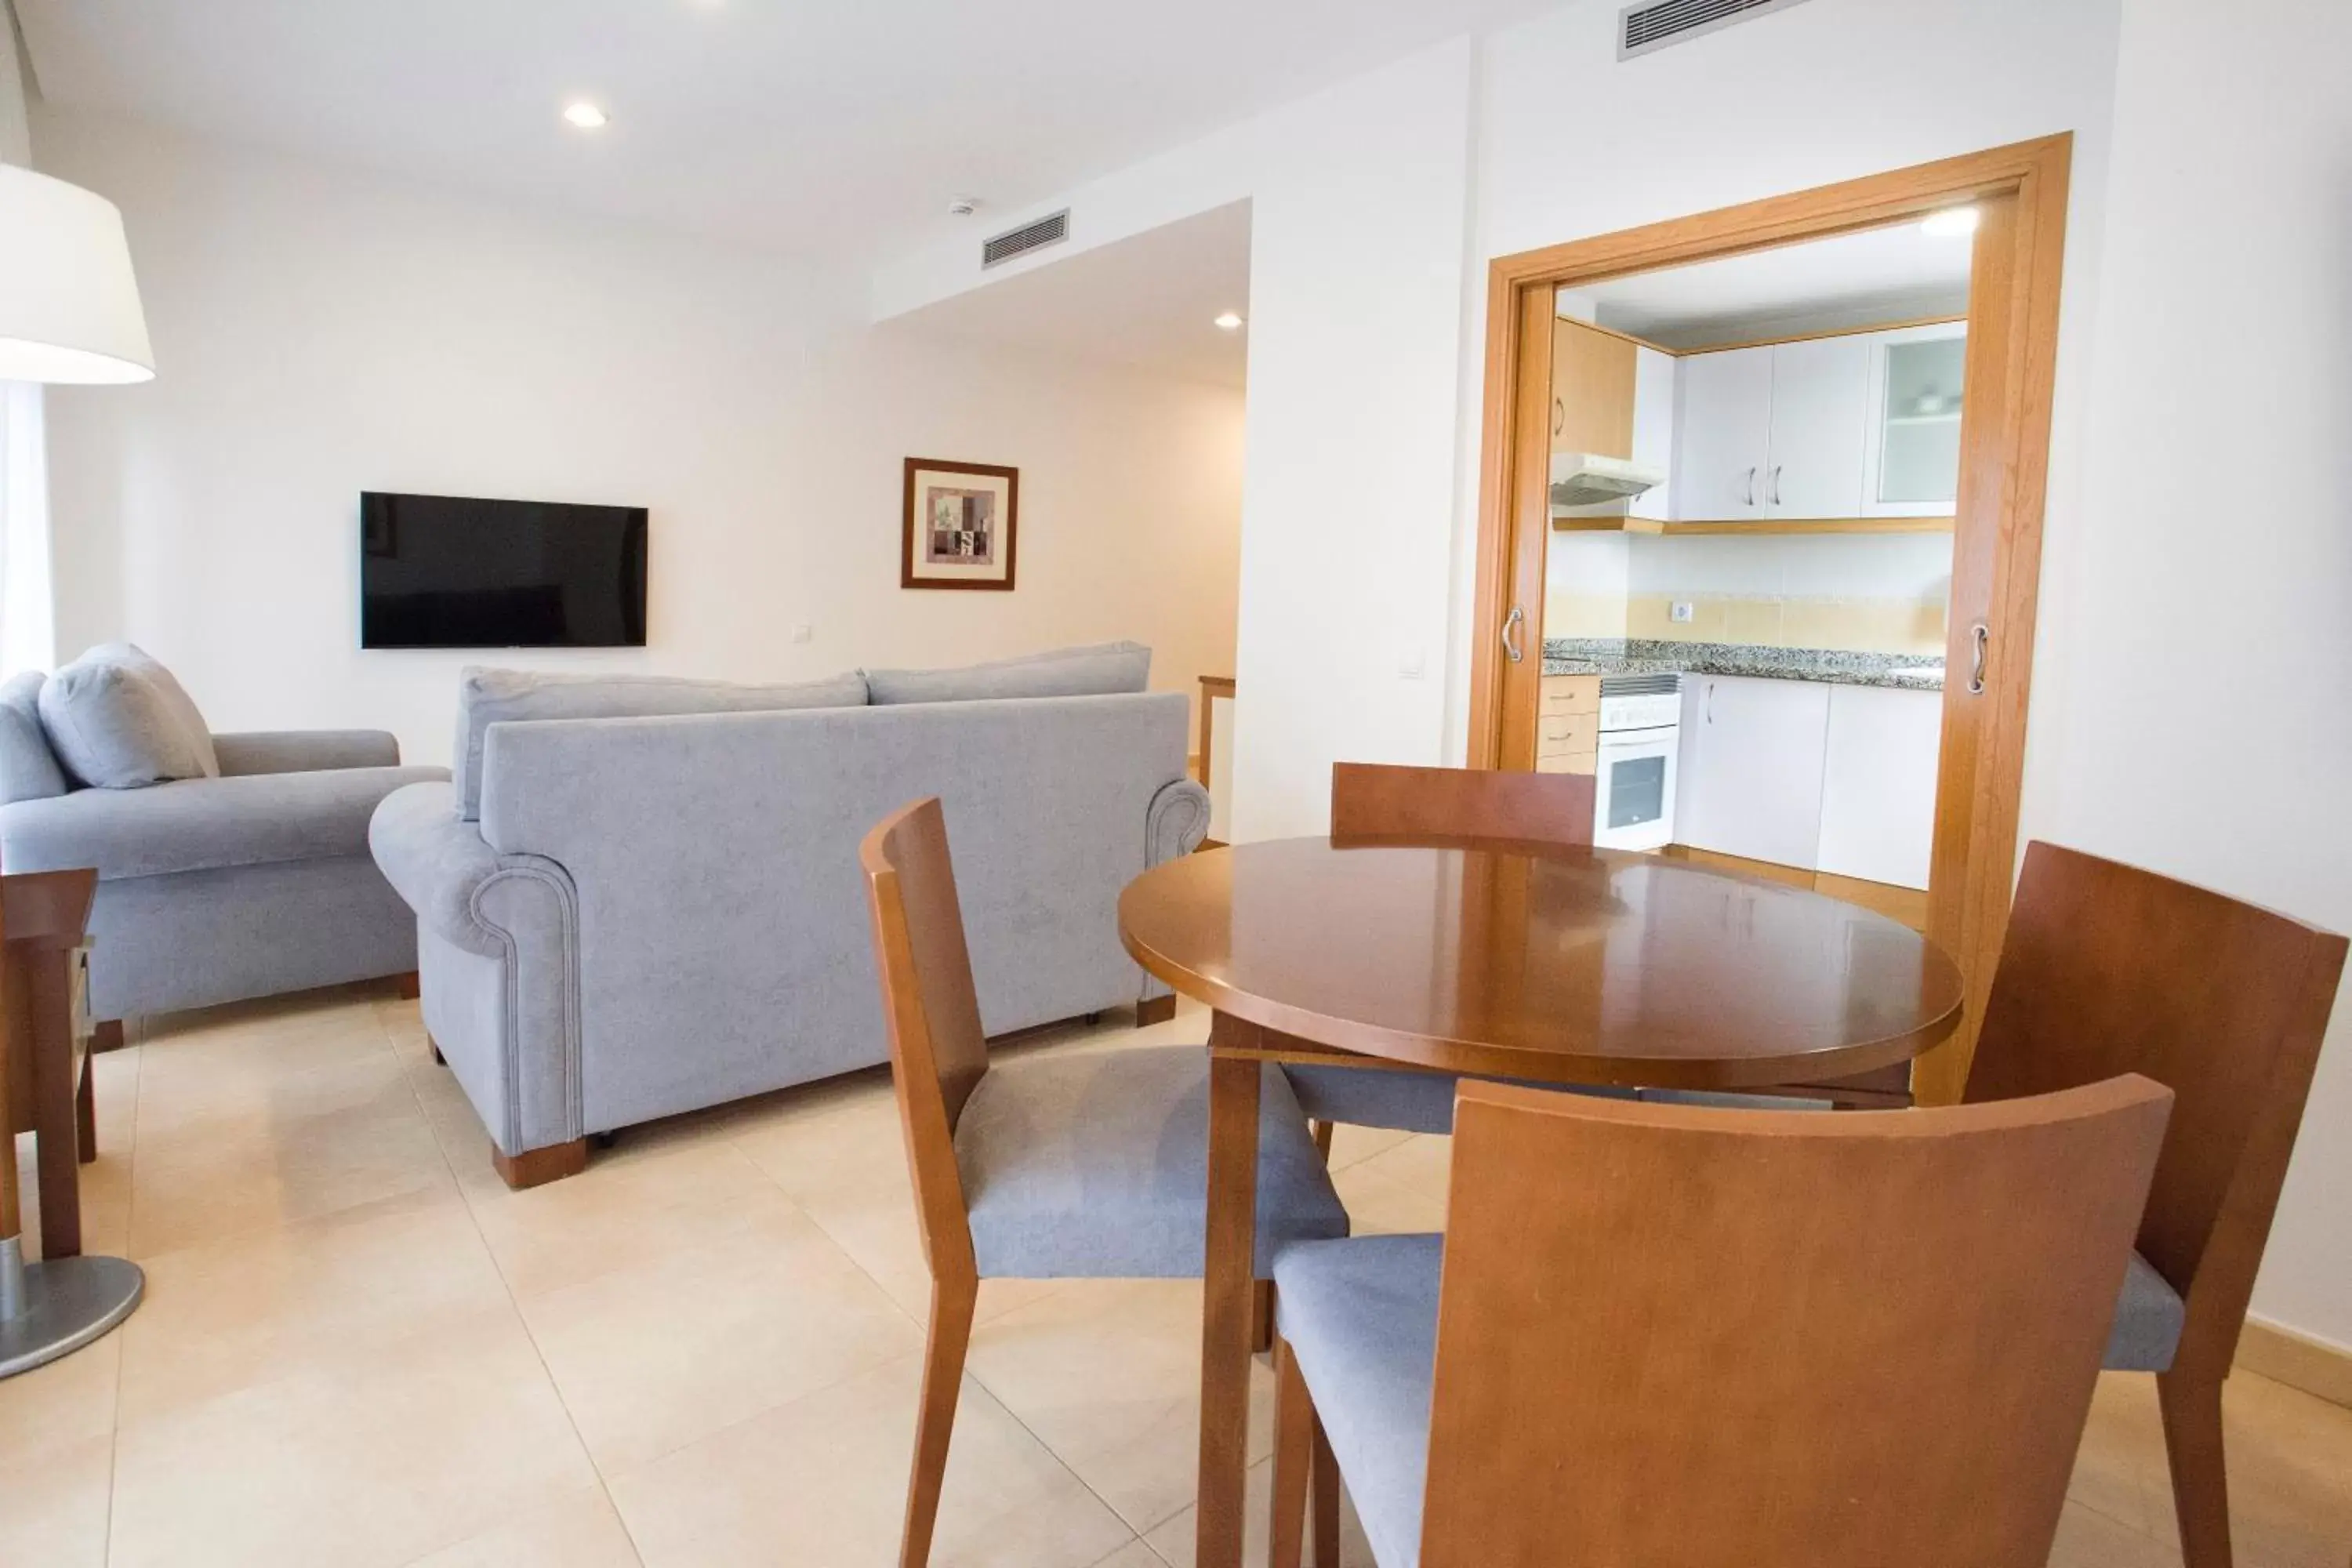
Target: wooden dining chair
(1375, 801)
(1086, 1166)
(1737, 1338)
(2108, 968)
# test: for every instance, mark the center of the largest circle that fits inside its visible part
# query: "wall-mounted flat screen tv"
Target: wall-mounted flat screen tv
(442, 571)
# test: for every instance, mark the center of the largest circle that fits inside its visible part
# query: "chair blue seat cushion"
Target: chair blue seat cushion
(1401, 1101)
(2148, 1318)
(1361, 1318)
(1096, 1166)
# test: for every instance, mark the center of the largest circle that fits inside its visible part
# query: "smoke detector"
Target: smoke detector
(962, 206)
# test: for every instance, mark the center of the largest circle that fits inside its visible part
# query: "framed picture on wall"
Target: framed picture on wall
(959, 529)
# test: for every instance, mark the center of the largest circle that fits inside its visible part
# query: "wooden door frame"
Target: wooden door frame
(2021, 191)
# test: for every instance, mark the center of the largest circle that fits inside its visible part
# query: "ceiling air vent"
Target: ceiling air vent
(1657, 23)
(1013, 242)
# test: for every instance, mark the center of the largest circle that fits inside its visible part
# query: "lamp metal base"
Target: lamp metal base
(53, 1308)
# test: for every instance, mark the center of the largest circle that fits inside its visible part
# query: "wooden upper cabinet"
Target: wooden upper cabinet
(1591, 391)
(1723, 437)
(1819, 415)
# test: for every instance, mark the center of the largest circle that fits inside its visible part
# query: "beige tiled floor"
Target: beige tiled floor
(360, 1348)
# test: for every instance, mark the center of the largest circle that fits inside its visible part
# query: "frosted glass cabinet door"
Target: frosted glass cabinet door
(1819, 419)
(1916, 385)
(1723, 435)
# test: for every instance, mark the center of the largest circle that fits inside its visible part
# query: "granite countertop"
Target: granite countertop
(1840, 666)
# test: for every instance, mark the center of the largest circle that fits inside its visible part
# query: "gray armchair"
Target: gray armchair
(213, 889)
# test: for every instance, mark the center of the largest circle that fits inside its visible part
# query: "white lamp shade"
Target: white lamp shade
(69, 305)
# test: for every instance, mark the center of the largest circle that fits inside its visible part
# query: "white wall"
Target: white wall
(2189, 708)
(318, 334)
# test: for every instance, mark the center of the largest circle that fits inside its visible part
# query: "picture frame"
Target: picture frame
(960, 526)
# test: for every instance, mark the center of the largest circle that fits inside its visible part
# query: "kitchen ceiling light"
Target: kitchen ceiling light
(1952, 222)
(1231, 322)
(585, 115)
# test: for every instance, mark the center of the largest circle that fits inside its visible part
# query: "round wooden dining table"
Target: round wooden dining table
(1538, 962)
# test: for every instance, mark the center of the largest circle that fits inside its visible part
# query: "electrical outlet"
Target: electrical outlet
(803, 634)
(1679, 612)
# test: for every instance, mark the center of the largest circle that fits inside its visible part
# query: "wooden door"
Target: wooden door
(1520, 604)
(1725, 435)
(1819, 428)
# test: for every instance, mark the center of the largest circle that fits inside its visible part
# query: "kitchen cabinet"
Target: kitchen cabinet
(1912, 466)
(1820, 401)
(1723, 435)
(1654, 431)
(1855, 426)
(1750, 767)
(1568, 724)
(1592, 390)
(1878, 783)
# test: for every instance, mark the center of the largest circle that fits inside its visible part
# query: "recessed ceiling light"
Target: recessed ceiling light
(585, 115)
(1952, 222)
(1231, 322)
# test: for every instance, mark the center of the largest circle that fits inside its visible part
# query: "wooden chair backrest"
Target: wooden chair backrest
(938, 1053)
(2107, 969)
(1670, 1334)
(1375, 800)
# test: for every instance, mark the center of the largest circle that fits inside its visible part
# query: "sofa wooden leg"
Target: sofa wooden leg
(1322, 1132)
(411, 987)
(537, 1167)
(1261, 1317)
(1154, 1010)
(106, 1037)
(435, 1046)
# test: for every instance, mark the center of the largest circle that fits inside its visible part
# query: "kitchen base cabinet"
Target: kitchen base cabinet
(1750, 767)
(1878, 783)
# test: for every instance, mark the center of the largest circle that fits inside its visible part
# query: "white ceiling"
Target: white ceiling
(833, 127)
(1852, 279)
(1147, 302)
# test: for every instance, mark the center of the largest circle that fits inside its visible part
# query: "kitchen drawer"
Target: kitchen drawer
(1569, 762)
(1566, 733)
(1571, 694)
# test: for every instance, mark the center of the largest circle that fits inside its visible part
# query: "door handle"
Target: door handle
(1511, 649)
(1751, 487)
(1558, 416)
(1775, 492)
(1982, 635)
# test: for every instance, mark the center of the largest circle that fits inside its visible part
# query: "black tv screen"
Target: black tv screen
(442, 571)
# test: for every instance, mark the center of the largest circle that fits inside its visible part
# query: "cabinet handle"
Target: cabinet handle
(1558, 416)
(1776, 484)
(1511, 649)
(1983, 634)
(1709, 714)
(1751, 487)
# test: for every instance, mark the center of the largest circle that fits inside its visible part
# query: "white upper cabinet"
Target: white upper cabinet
(1912, 466)
(1819, 398)
(1863, 425)
(1653, 430)
(1723, 437)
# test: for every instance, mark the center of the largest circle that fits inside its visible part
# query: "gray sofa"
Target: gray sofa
(253, 881)
(655, 914)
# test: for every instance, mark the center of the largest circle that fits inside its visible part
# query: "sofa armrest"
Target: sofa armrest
(1176, 822)
(436, 861)
(200, 825)
(304, 750)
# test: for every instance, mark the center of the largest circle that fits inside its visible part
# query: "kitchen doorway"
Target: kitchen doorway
(1729, 478)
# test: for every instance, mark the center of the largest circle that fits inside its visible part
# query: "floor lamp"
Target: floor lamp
(69, 313)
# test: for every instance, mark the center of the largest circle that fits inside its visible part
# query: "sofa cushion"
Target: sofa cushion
(118, 720)
(487, 697)
(195, 825)
(28, 769)
(1101, 670)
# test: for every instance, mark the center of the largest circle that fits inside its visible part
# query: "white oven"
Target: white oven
(1640, 732)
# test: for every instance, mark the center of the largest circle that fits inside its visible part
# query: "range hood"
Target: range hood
(1588, 478)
